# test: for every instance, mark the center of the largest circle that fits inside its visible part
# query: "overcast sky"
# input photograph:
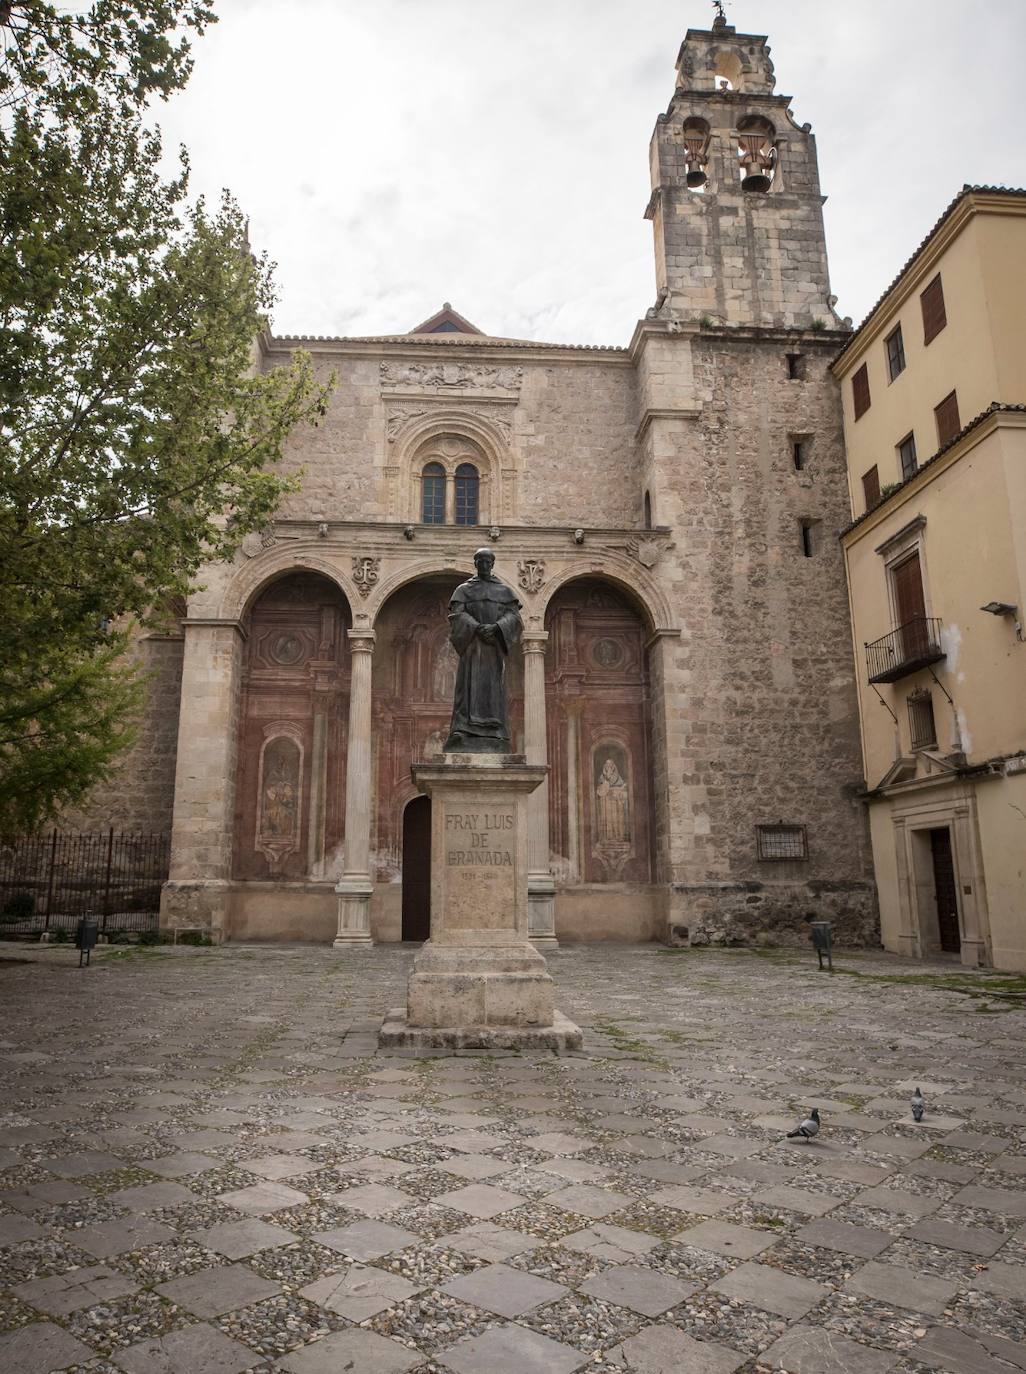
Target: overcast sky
(393, 154)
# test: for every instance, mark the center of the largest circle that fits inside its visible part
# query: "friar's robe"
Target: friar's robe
(480, 718)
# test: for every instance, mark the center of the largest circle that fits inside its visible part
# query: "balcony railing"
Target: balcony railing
(905, 650)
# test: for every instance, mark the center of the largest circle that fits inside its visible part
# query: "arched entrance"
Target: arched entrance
(414, 677)
(597, 691)
(289, 818)
(417, 869)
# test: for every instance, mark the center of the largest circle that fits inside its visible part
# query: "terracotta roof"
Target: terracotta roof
(443, 341)
(994, 407)
(967, 190)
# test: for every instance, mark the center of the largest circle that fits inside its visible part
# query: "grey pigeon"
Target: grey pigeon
(918, 1105)
(807, 1129)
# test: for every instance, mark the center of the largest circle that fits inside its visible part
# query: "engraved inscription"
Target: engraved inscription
(480, 868)
(480, 839)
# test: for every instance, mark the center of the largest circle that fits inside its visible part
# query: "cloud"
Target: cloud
(393, 154)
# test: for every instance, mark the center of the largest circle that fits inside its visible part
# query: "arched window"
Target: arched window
(467, 485)
(432, 503)
(757, 153)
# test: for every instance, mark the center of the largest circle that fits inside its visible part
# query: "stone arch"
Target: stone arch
(248, 582)
(293, 710)
(440, 566)
(599, 722)
(489, 438)
(626, 576)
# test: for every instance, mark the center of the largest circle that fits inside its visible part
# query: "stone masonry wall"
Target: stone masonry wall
(766, 724)
(140, 796)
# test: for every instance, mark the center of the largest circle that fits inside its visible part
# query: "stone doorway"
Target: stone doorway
(417, 869)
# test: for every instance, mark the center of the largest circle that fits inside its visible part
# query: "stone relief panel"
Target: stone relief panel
(612, 830)
(598, 735)
(449, 376)
(280, 797)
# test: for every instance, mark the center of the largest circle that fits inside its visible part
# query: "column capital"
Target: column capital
(361, 641)
(534, 641)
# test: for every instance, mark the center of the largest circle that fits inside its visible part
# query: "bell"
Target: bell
(696, 177)
(755, 181)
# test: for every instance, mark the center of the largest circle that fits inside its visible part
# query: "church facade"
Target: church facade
(667, 515)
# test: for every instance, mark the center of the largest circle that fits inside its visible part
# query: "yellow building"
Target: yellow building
(934, 386)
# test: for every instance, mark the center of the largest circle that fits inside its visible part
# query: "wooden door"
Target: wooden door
(944, 886)
(417, 869)
(910, 608)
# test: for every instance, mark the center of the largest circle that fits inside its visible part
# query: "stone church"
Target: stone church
(667, 514)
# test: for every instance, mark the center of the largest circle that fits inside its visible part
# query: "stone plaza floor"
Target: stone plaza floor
(207, 1168)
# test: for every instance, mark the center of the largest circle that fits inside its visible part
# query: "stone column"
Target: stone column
(355, 888)
(541, 889)
(197, 891)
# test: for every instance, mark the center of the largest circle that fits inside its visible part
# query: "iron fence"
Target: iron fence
(51, 881)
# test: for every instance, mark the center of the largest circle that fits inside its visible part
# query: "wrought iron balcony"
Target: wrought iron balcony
(905, 650)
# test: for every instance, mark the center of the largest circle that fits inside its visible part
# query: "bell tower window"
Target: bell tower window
(467, 488)
(432, 486)
(696, 152)
(757, 154)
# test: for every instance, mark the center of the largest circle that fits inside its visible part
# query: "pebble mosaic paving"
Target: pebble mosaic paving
(207, 1167)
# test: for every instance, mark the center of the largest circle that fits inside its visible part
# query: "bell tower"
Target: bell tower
(736, 206)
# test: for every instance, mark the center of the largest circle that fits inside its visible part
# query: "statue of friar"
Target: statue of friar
(484, 625)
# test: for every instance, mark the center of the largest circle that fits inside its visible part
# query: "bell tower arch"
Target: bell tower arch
(736, 205)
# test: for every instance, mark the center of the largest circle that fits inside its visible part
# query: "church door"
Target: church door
(417, 869)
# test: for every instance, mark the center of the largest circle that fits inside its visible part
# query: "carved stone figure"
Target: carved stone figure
(612, 806)
(484, 625)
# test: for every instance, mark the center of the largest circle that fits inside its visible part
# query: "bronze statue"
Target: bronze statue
(484, 625)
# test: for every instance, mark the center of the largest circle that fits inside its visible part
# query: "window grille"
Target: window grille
(934, 316)
(467, 483)
(778, 843)
(860, 391)
(907, 456)
(895, 346)
(921, 724)
(948, 423)
(433, 494)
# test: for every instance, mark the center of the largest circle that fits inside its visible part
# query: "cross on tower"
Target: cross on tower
(721, 13)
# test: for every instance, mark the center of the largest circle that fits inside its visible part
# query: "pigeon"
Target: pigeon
(918, 1105)
(807, 1129)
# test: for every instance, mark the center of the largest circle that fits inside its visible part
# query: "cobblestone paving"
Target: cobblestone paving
(205, 1166)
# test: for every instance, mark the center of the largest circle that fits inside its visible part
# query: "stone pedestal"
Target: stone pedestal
(479, 982)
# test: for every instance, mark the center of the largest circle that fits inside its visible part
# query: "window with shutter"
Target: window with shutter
(871, 486)
(948, 423)
(860, 391)
(907, 456)
(895, 346)
(934, 318)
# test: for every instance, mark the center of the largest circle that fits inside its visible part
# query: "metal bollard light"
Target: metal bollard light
(86, 936)
(823, 941)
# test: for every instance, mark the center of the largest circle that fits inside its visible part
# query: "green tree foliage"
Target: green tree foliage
(136, 440)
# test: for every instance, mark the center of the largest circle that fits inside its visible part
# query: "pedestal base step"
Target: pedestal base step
(561, 1037)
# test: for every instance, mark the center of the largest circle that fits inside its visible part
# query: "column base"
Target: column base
(195, 905)
(541, 911)
(354, 899)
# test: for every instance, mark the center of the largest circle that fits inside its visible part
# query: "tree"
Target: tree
(137, 441)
